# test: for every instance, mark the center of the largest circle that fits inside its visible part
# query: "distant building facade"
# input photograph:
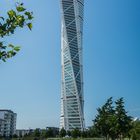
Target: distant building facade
(72, 100)
(1, 127)
(22, 132)
(7, 122)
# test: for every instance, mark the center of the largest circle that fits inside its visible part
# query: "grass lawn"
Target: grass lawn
(29, 138)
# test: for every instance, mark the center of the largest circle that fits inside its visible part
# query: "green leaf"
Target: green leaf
(11, 46)
(29, 15)
(3, 60)
(20, 20)
(11, 13)
(17, 48)
(30, 26)
(2, 18)
(20, 8)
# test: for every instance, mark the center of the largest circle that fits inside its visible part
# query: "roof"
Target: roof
(2, 110)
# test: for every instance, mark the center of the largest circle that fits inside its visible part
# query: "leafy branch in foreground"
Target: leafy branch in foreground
(17, 18)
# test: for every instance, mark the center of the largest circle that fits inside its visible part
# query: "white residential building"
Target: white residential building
(8, 122)
(1, 127)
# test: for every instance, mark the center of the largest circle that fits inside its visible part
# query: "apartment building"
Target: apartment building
(7, 122)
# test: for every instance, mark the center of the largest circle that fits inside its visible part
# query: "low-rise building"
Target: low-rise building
(22, 132)
(8, 122)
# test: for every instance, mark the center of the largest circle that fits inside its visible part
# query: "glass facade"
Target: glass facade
(72, 102)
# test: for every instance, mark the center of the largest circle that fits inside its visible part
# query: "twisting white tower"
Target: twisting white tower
(72, 103)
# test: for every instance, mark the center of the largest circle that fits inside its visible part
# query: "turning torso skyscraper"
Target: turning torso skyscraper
(72, 102)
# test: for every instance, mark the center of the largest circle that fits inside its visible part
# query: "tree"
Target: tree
(15, 136)
(103, 121)
(17, 18)
(135, 131)
(84, 134)
(113, 122)
(69, 133)
(37, 133)
(92, 132)
(75, 133)
(43, 133)
(49, 133)
(62, 132)
(123, 121)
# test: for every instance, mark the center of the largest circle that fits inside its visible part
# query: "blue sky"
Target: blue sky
(30, 82)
